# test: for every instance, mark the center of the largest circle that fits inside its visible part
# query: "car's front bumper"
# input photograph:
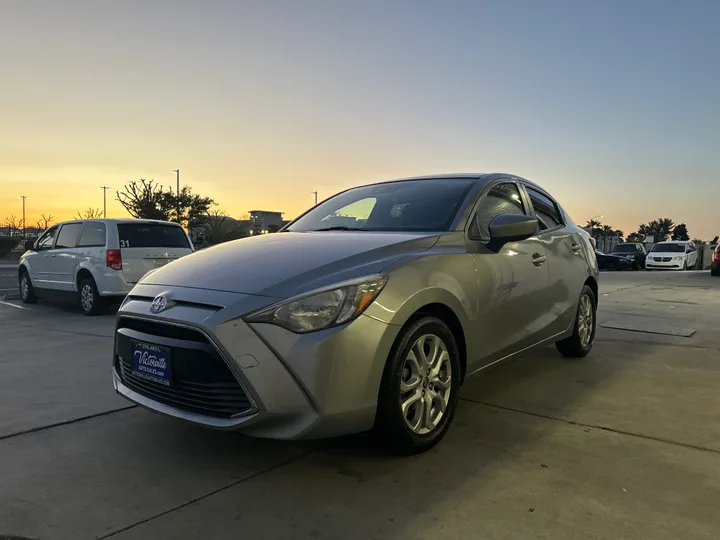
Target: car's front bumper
(298, 386)
(665, 265)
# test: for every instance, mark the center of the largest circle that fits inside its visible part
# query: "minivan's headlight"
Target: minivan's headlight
(677, 258)
(322, 309)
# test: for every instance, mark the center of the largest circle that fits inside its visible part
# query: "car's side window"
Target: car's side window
(93, 234)
(46, 240)
(546, 210)
(67, 238)
(501, 199)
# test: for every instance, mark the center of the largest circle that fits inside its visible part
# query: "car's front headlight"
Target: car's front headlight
(322, 309)
(677, 258)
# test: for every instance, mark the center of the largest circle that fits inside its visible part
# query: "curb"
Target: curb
(10, 296)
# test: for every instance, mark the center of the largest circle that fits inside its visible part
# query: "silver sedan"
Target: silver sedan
(366, 312)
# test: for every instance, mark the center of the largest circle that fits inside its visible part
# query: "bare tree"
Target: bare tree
(145, 199)
(90, 213)
(46, 220)
(13, 222)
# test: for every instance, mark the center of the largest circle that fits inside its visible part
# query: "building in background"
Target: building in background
(265, 221)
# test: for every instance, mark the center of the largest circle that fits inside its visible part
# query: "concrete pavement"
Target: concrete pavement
(622, 444)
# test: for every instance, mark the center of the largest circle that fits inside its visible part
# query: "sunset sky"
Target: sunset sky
(613, 106)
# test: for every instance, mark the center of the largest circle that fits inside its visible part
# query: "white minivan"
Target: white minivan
(674, 255)
(97, 259)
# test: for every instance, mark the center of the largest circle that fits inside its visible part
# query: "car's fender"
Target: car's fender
(84, 263)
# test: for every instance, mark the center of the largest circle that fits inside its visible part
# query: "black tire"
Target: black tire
(611, 267)
(573, 347)
(27, 291)
(391, 426)
(715, 272)
(92, 304)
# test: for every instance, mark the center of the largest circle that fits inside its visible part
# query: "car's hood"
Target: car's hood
(285, 264)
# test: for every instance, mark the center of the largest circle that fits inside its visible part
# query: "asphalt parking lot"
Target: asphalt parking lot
(622, 444)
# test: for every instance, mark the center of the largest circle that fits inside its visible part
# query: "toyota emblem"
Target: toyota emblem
(159, 304)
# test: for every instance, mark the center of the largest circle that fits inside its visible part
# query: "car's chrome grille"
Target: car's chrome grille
(202, 383)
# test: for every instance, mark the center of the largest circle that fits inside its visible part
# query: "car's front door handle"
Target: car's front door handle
(576, 247)
(539, 259)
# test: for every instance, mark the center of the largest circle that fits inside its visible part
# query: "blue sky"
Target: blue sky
(612, 106)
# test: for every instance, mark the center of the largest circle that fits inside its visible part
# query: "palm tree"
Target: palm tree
(607, 232)
(594, 225)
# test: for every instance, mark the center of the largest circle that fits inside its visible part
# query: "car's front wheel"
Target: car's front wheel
(581, 341)
(420, 388)
(27, 292)
(90, 300)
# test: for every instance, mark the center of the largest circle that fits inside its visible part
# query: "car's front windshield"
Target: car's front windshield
(668, 248)
(409, 205)
(621, 248)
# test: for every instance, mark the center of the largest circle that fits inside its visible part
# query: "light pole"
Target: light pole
(23, 197)
(315, 193)
(177, 193)
(104, 188)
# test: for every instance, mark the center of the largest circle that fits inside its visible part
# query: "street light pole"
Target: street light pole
(104, 188)
(23, 197)
(177, 193)
(315, 193)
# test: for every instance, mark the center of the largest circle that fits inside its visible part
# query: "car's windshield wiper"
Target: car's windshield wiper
(340, 228)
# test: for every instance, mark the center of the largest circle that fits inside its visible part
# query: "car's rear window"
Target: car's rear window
(151, 235)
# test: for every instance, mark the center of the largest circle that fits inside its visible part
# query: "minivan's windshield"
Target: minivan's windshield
(625, 248)
(409, 205)
(151, 235)
(668, 248)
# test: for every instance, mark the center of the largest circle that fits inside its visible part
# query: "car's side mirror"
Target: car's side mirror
(29, 244)
(511, 228)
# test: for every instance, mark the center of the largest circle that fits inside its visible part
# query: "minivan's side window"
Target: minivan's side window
(92, 235)
(501, 199)
(68, 235)
(47, 239)
(546, 210)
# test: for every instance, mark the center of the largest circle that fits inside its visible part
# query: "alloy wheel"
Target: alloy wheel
(425, 384)
(87, 298)
(24, 287)
(586, 317)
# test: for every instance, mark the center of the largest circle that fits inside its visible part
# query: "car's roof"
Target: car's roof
(108, 221)
(482, 178)
(674, 242)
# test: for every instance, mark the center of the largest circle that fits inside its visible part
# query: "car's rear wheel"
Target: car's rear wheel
(27, 291)
(420, 388)
(90, 300)
(581, 341)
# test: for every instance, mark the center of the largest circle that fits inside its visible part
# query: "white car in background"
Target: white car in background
(676, 255)
(97, 259)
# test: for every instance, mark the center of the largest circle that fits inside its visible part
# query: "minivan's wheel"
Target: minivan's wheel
(581, 341)
(420, 388)
(27, 292)
(90, 300)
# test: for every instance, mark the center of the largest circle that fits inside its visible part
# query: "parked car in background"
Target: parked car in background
(675, 255)
(715, 265)
(634, 251)
(368, 311)
(95, 260)
(608, 261)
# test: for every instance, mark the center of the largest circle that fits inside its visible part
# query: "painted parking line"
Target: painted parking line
(2, 302)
